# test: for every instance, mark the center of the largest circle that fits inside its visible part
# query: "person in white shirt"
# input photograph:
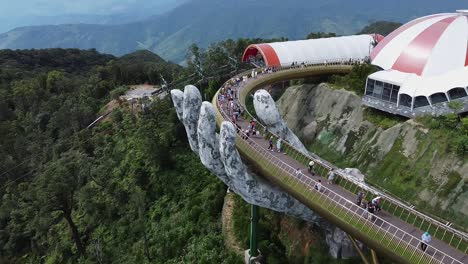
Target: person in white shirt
(298, 173)
(425, 239)
(311, 166)
(278, 145)
(318, 186)
(331, 176)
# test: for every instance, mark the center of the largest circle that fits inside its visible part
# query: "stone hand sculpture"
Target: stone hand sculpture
(268, 114)
(218, 153)
(220, 156)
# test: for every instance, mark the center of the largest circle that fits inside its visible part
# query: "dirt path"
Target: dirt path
(229, 239)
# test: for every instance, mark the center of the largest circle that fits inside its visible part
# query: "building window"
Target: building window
(456, 93)
(420, 101)
(381, 90)
(387, 90)
(394, 96)
(405, 100)
(378, 88)
(370, 86)
(438, 98)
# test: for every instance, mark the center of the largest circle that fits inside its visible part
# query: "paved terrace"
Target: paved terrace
(395, 231)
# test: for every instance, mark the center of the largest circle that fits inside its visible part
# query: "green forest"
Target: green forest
(127, 191)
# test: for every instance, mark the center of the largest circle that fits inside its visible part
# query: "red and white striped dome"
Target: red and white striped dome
(427, 46)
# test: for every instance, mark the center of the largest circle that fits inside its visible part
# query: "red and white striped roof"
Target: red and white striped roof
(427, 46)
(313, 50)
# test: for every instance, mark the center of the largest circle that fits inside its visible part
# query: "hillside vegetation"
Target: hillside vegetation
(127, 191)
(380, 27)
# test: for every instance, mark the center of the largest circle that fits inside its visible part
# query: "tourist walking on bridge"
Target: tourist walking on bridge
(311, 166)
(359, 197)
(425, 239)
(331, 176)
(278, 145)
(270, 143)
(371, 211)
(298, 173)
(318, 185)
(376, 202)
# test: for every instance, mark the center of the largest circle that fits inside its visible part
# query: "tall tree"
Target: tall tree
(56, 191)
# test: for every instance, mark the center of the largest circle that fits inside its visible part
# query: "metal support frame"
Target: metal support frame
(358, 249)
(375, 260)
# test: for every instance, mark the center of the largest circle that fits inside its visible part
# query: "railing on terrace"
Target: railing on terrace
(406, 212)
(379, 230)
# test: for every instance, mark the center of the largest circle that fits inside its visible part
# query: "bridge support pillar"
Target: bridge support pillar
(253, 252)
(358, 249)
(375, 260)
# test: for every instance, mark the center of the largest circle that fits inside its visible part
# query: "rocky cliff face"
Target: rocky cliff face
(407, 159)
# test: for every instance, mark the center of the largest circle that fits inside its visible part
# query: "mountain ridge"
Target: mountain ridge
(206, 21)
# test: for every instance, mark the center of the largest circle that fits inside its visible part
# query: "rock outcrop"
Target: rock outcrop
(404, 157)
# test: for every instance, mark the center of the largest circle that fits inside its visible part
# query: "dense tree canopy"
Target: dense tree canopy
(380, 27)
(127, 191)
(317, 35)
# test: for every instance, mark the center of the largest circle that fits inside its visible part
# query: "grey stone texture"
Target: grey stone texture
(254, 189)
(219, 154)
(268, 114)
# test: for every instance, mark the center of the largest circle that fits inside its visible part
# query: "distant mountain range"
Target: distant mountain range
(122, 13)
(207, 21)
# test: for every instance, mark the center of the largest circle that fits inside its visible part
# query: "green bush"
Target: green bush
(117, 92)
(462, 145)
(455, 105)
(355, 80)
(382, 119)
(450, 120)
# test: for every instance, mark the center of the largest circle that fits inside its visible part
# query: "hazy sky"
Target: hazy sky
(16, 8)
(16, 13)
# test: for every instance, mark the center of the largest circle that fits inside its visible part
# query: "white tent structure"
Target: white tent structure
(334, 49)
(424, 66)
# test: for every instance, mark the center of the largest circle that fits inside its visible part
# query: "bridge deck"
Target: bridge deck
(396, 229)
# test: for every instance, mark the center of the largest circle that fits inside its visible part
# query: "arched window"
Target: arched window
(456, 93)
(405, 100)
(438, 98)
(420, 101)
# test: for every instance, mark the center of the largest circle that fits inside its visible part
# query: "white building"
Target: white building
(424, 66)
(333, 49)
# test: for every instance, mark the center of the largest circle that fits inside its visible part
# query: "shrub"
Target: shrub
(117, 92)
(462, 145)
(455, 105)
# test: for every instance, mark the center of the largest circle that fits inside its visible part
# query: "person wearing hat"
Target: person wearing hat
(425, 239)
(311, 166)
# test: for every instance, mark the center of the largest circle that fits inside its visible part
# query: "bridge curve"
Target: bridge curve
(395, 231)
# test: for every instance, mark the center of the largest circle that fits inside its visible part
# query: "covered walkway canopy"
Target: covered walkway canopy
(356, 47)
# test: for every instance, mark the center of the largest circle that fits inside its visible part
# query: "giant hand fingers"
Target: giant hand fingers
(188, 110)
(178, 100)
(208, 143)
(267, 112)
(254, 189)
